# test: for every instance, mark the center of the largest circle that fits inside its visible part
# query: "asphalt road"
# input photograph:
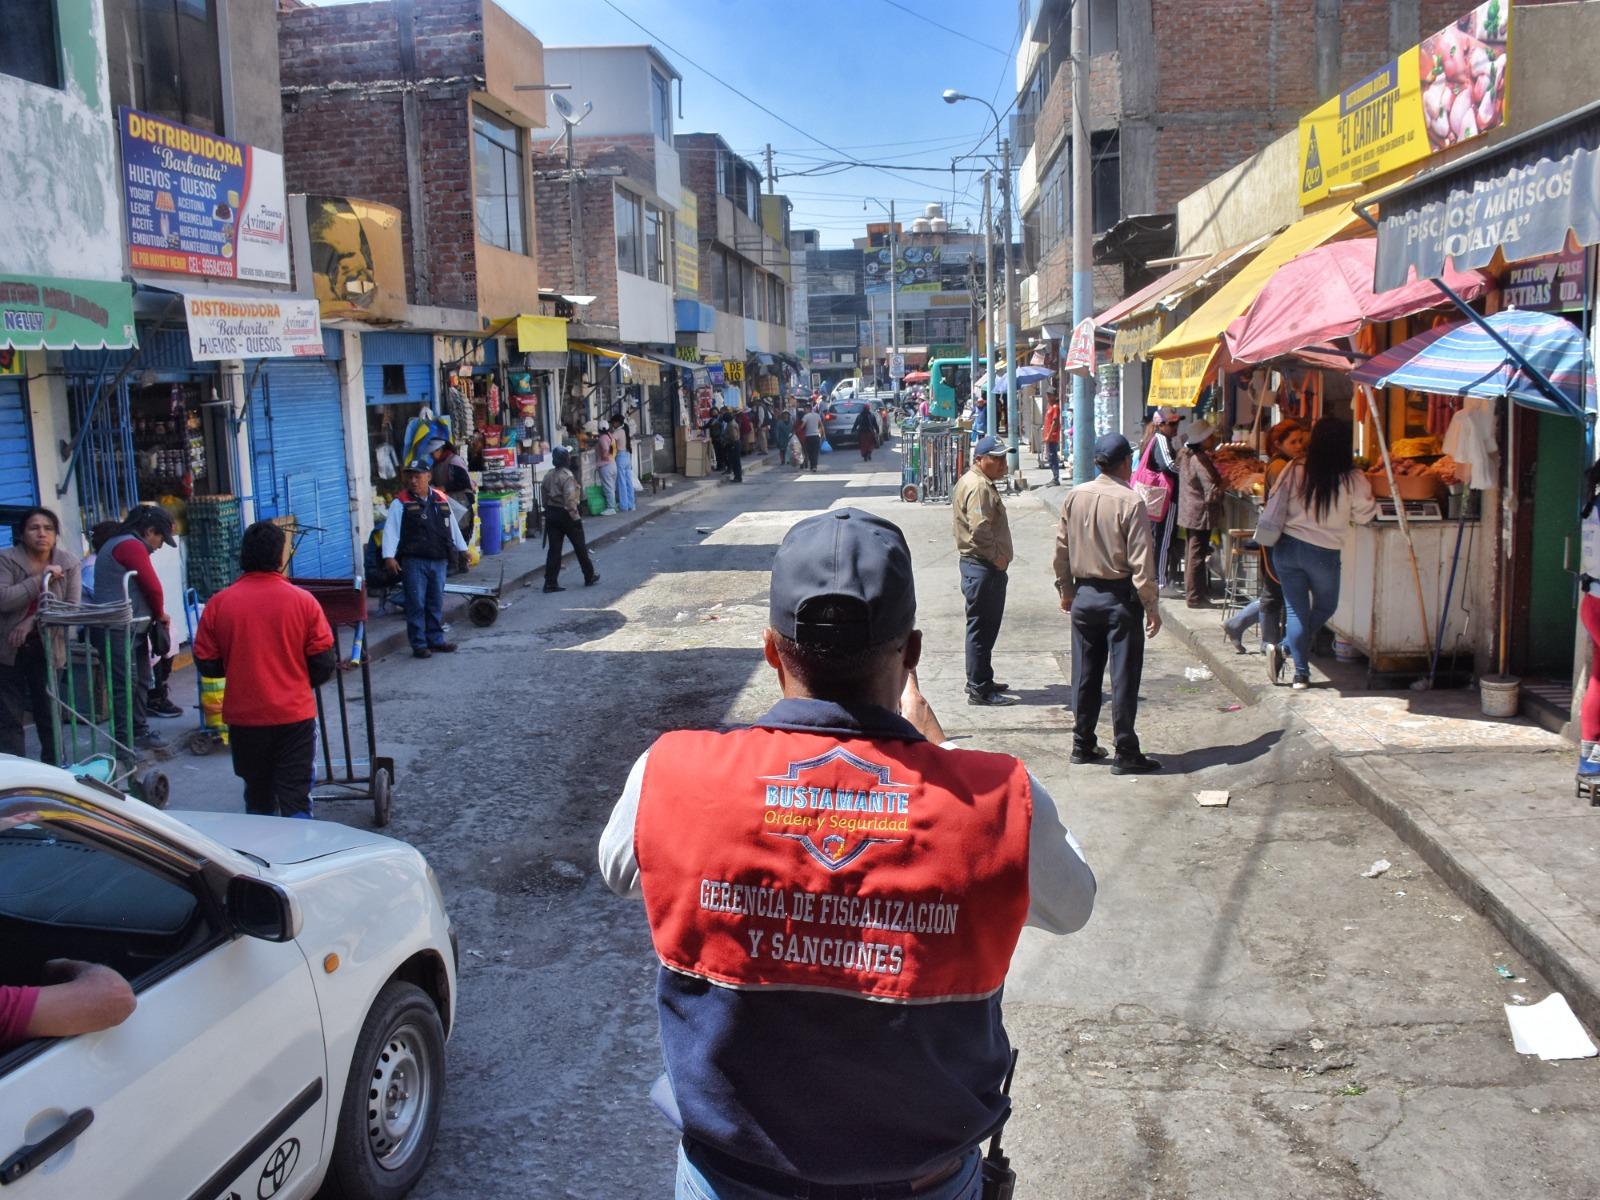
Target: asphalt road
(1246, 1015)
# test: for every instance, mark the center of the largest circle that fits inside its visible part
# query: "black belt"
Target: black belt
(1103, 584)
(784, 1184)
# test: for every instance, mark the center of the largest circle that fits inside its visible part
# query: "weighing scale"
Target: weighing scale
(1416, 510)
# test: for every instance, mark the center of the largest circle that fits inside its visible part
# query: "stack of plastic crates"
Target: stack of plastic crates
(213, 543)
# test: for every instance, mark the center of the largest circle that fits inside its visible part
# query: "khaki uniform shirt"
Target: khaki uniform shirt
(982, 530)
(1105, 534)
(559, 489)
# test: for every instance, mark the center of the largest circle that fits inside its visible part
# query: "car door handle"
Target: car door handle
(38, 1153)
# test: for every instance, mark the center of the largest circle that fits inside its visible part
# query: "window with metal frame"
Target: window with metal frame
(497, 181)
(29, 45)
(630, 235)
(661, 105)
(165, 58)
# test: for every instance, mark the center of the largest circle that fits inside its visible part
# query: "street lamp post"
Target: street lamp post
(1013, 457)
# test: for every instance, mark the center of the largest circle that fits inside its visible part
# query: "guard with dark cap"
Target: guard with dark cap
(419, 537)
(1105, 572)
(831, 949)
(983, 543)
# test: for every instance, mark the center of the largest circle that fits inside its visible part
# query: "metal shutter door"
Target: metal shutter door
(297, 437)
(18, 483)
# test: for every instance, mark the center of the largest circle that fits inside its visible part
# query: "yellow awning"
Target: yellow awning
(1183, 360)
(537, 335)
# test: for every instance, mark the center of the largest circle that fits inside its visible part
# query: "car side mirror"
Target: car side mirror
(262, 909)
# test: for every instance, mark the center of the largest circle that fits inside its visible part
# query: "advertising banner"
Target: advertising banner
(43, 313)
(916, 269)
(1080, 350)
(248, 327)
(198, 204)
(1434, 96)
(1551, 283)
(357, 266)
(686, 245)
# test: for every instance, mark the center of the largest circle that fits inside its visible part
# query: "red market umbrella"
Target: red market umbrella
(1327, 293)
(916, 377)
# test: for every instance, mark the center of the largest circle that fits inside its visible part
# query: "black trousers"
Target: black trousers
(984, 588)
(561, 525)
(275, 762)
(23, 688)
(733, 455)
(813, 447)
(1271, 602)
(1107, 622)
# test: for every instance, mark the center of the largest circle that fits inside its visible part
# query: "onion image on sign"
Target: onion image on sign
(1463, 71)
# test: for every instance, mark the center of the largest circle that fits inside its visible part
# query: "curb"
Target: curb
(1225, 667)
(1520, 917)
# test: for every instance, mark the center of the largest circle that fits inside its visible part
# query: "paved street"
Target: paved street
(1245, 1015)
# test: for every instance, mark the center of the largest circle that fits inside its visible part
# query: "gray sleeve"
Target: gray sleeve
(618, 866)
(1061, 886)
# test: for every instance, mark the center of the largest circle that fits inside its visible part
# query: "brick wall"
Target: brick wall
(634, 155)
(344, 130)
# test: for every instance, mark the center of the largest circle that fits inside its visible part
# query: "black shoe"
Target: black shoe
(444, 648)
(591, 581)
(1143, 765)
(163, 708)
(422, 652)
(998, 687)
(990, 699)
(1274, 653)
(1082, 758)
(554, 588)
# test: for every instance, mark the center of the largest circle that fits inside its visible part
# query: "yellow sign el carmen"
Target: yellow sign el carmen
(1448, 90)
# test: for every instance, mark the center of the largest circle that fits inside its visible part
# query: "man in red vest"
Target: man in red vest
(832, 947)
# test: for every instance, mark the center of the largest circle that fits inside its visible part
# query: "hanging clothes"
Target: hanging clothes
(1471, 442)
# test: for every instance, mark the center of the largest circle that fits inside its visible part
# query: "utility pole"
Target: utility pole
(1083, 436)
(894, 288)
(988, 287)
(1014, 458)
(772, 180)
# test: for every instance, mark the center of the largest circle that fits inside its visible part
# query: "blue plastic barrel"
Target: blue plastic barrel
(489, 528)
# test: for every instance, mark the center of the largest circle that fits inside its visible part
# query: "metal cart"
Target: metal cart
(86, 742)
(935, 455)
(483, 604)
(344, 601)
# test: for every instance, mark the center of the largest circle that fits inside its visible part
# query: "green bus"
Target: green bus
(950, 386)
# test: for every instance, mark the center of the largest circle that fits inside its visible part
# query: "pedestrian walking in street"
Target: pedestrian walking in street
(866, 429)
(419, 535)
(1323, 496)
(811, 436)
(29, 654)
(813, 1049)
(733, 445)
(450, 477)
(783, 427)
(1199, 510)
(1285, 443)
(271, 641)
(1160, 445)
(747, 431)
(563, 520)
(1106, 575)
(1589, 617)
(147, 528)
(983, 542)
(1050, 434)
(605, 459)
(980, 416)
(622, 439)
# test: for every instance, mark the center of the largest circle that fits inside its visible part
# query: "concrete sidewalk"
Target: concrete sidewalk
(1488, 803)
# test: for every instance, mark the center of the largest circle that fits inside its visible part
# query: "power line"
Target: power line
(748, 99)
(946, 28)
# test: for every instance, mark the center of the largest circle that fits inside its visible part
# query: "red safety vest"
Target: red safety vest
(894, 870)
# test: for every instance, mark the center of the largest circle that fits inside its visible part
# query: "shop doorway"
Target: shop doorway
(1549, 473)
(19, 483)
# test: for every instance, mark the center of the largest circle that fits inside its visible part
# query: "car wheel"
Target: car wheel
(392, 1099)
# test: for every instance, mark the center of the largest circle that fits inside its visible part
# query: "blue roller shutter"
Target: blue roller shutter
(413, 352)
(297, 439)
(18, 482)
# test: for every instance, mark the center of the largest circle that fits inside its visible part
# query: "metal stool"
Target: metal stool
(1243, 578)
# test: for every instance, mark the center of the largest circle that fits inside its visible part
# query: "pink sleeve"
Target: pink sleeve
(16, 1010)
(132, 556)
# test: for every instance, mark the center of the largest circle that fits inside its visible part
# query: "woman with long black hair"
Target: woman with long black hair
(32, 565)
(1326, 494)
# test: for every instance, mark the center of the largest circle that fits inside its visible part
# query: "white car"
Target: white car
(296, 983)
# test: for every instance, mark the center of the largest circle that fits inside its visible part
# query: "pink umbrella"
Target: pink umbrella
(1327, 293)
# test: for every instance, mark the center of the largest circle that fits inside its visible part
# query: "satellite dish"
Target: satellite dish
(564, 107)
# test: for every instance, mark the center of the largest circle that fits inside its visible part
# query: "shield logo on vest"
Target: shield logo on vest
(848, 801)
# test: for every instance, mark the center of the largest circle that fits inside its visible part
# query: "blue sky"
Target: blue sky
(864, 76)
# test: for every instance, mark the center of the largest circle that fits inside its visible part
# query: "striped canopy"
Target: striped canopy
(1465, 361)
